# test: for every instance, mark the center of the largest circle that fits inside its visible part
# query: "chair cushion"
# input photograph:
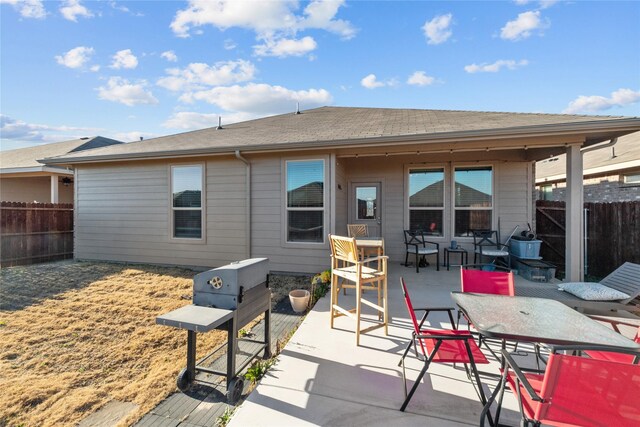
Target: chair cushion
(422, 251)
(592, 291)
(492, 252)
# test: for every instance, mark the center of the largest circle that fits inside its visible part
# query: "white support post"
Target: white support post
(54, 189)
(574, 217)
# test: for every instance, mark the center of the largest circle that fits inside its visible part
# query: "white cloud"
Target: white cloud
(95, 68)
(523, 25)
(190, 120)
(420, 78)
(371, 82)
(496, 66)
(198, 75)
(286, 47)
(260, 99)
(76, 57)
(21, 131)
(437, 30)
(122, 91)
(72, 9)
(619, 98)
(265, 18)
(124, 59)
(169, 55)
(544, 4)
(229, 44)
(28, 8)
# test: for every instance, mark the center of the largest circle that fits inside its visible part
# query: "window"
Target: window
(426, 200)
(186, 203)
(473, 199)
(305, 201)
(366, 203)
(632, 179)
(546, 192)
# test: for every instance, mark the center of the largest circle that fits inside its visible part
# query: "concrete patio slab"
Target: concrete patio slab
(323, 378)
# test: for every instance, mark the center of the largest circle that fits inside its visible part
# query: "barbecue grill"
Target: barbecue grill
(225, 298)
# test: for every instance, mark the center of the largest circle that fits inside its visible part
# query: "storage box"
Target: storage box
(536, 270)
(525, 248)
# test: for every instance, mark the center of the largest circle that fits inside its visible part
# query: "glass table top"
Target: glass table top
(535, 320)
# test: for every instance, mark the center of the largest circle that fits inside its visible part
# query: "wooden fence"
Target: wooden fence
(613, 234)
(35, 232)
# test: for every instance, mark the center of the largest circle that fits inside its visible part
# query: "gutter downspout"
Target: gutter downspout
(611, 143)
(248, 203)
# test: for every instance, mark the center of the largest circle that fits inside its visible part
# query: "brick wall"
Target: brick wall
(609, 188)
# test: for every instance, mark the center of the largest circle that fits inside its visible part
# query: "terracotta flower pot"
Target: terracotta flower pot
(299, 299)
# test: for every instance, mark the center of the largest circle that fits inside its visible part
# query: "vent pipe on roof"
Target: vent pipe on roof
(219, 123)
(141, 138)
(298, 108)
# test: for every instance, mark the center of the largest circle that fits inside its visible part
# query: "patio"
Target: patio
(322, 378)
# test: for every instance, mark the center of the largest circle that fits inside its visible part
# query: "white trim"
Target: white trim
(326, 208)
(493, 207)
(33, 169)
(203, 204)
(407, 216)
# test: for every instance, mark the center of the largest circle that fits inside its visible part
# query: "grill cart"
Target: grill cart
(225, 298)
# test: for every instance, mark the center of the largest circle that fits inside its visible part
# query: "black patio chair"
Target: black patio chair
(487, 243)
(416, 244)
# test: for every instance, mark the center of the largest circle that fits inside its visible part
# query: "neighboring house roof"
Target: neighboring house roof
(627, 156)
(26, 159)
(432, 195)
(341, 126)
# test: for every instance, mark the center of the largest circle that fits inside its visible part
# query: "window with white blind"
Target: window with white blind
(426, 200)
(473, 199)
(305, 201)
(186, 201)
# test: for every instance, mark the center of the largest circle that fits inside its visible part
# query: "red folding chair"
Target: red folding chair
(440, 346)
(574, 390)
(614, 357)
(497, 282)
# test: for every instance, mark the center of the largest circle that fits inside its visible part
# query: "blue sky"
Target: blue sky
(151, 68)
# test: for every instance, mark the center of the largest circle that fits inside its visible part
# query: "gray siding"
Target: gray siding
(123, 210)
(123, 215)
(267, 234)
(514, 196)
(512, 201)
(342, 192)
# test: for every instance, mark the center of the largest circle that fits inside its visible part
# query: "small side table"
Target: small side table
(464, 255)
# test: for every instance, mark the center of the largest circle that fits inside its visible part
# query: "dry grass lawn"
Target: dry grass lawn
(77, 335)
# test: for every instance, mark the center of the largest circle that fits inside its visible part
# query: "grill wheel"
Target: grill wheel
(234, 391)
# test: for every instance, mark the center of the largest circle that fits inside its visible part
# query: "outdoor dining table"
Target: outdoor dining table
(534, 320)
(366, 244)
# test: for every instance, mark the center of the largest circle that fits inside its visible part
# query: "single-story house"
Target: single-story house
(277, 186)
(611, 174)
(24, 179)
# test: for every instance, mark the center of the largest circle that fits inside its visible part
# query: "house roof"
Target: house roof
(26, 159)
(342, 126)
(627, 156)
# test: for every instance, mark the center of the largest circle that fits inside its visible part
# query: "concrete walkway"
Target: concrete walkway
(322, 378)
